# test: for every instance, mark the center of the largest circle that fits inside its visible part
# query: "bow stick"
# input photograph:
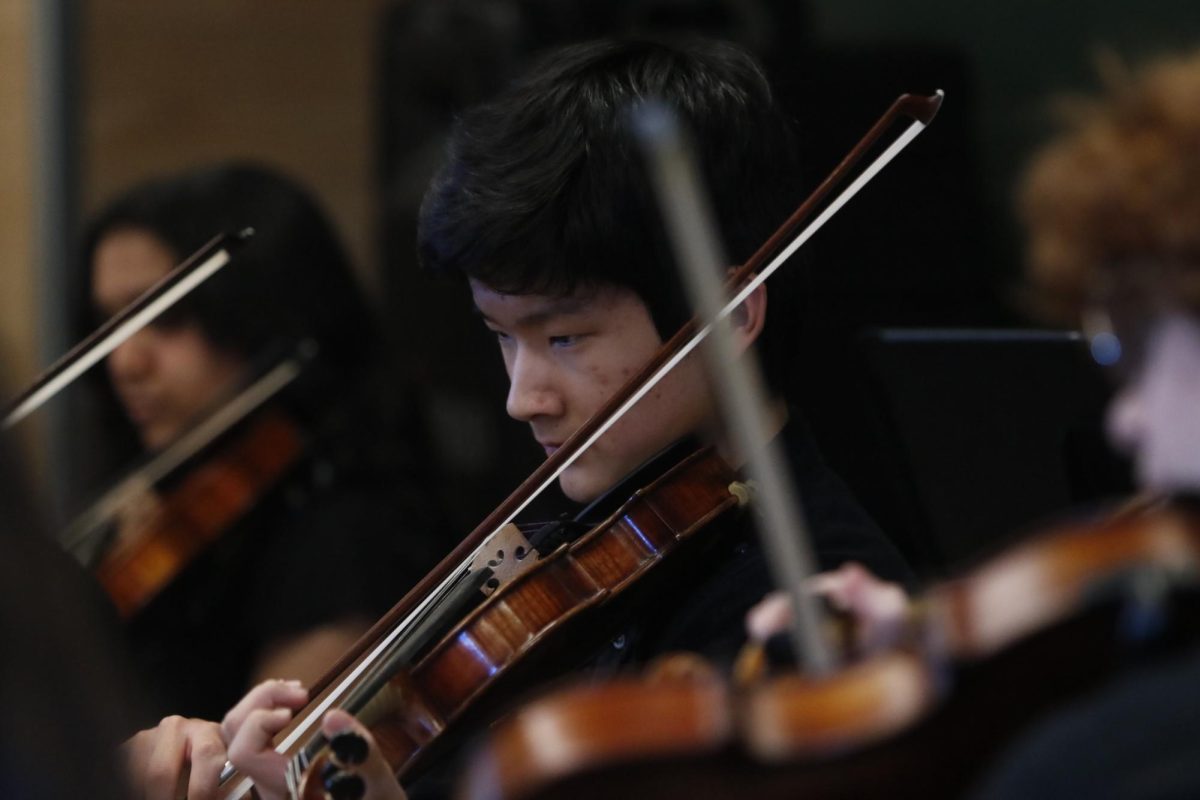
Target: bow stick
(168, 291)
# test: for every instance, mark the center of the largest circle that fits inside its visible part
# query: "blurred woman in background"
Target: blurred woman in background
(343, 534)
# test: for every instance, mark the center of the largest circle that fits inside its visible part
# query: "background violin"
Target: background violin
(141, 534)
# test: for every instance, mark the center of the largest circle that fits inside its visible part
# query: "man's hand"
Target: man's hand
(250, 727)
(184, 757)
(878, 608)
(361, 771)
(175, 755)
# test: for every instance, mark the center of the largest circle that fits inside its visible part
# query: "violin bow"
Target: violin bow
(277, 372)
(168, 291)
(689, 217)
(690, 221)
(376, 642)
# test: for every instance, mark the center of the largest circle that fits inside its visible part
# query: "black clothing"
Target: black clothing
(1138, 738)
(64, 703)
(325, 545)
(709, 617)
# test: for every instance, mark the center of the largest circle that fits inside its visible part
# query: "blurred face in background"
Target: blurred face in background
(167, 373)
(1155, 417)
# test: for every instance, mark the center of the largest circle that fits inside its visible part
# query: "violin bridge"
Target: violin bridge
(507, 553)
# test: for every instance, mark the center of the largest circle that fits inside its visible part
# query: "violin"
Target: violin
(440, 653)
(980, 657)
(185, 497)
(192, 512)
(147, 556)
(538, 612)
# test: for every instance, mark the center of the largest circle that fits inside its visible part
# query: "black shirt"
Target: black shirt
(708, 617)
(323, 546)
(1137, 738)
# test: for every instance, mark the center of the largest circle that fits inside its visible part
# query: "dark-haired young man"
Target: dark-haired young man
(543, 205)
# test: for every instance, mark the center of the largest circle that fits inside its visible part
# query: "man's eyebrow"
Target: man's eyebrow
(558, 307)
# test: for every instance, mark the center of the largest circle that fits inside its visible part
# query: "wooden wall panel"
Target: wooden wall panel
(167, 86)
(18, 273)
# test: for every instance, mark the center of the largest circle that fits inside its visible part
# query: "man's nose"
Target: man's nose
(531, 389)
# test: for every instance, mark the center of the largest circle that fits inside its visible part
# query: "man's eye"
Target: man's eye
(566, 340)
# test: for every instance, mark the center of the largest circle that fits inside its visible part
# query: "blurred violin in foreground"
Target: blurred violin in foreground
(978, 658)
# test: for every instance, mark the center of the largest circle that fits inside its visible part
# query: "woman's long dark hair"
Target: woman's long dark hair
(292, 282)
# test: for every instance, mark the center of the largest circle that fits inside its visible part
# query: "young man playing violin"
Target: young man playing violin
(544, 207)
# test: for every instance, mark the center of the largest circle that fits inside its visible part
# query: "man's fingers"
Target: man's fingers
(164, 765)
(841, 587)
(137, 751)
(175, 756)
(769, 617)
(877, 607)
(266, 695)
(258, 730)
(251, 751)
(207, 756)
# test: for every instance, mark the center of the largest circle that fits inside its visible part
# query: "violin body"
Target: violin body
(195, 511)
(654, 737)
(540, 622)
(560, 598)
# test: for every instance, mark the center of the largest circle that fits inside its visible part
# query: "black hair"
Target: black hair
(544, 190)
(292, 281)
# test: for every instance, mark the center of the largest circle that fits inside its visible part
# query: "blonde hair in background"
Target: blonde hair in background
(1119, 188)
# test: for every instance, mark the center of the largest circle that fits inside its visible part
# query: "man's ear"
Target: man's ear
(749, 318)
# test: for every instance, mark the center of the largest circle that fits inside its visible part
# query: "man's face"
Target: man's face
(565, 357)
(1156, 415)
(164, 375)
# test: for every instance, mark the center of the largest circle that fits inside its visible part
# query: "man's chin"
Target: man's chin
(578, 488)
